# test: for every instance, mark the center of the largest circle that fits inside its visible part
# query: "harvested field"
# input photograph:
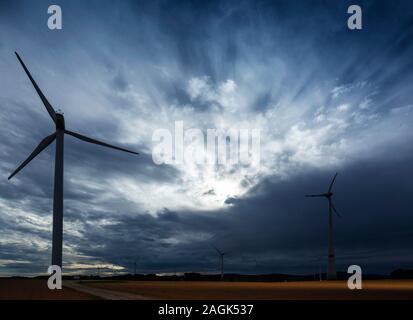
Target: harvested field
(22, 289)
(36, 289)
(372, 289)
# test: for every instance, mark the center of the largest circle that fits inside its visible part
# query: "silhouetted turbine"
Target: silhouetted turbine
(221, 256)
(331, 273)
(58, 135)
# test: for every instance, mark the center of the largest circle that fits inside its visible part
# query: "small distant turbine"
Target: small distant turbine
(59, 121)
(221, 257)
(331, 272)
(320, 273)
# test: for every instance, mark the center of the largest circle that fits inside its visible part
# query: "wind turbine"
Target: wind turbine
(58, 135)
(221, 257)
(331, 272)
(320, 273)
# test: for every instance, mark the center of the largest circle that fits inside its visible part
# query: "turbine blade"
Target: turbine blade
(42, 145)
(332, 182)
(314, 195)
(216, 249)
(334, 209)
(46, 103)
(94, 141)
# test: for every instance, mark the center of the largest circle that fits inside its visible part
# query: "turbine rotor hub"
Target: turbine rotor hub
(60, 121)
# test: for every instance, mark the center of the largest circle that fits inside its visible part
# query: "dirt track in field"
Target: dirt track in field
(106, 294)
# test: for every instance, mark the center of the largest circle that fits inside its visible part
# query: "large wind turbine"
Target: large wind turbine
(58, 135)
(221, 257)
(331, 272)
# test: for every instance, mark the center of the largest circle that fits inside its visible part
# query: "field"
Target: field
(372, 289)
(30, 289)
(381, 289)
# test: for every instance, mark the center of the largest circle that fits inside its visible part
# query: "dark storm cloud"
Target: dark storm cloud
(124, 46)
(276, 226)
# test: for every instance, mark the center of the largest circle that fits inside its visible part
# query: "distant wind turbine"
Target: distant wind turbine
(331, 272)
(58, 135)
(320, 273)
(221, 257)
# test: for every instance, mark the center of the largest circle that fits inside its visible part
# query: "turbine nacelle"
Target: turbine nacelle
(60, 121)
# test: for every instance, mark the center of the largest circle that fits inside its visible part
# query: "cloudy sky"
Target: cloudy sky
(326, 100)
